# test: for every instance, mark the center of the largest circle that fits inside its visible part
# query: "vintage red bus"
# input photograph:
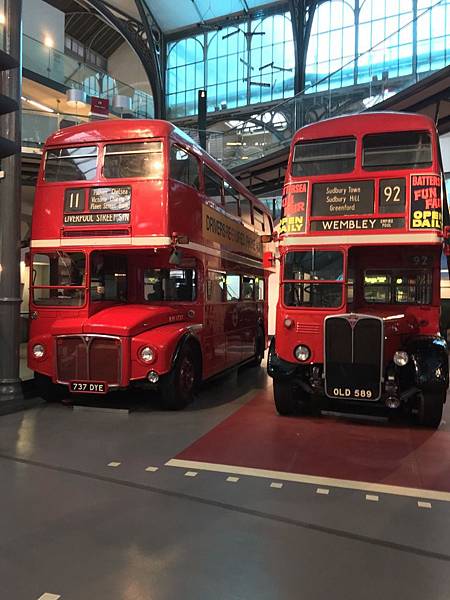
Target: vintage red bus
(146, 263)
(360, 244)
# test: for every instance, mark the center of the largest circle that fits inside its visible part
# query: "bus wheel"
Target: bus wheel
(177, 387)
(260, 343)
(49, 391)
(430, 407)
(283, 394)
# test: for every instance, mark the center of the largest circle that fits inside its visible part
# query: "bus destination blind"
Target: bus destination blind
(104, 199)
(342, 199)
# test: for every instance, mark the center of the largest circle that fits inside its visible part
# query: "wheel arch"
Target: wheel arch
(189, 339)
(429, 362)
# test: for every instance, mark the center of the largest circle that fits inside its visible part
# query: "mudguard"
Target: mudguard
(184, 339)
(428, 362)
(276, 366)
(167, 340)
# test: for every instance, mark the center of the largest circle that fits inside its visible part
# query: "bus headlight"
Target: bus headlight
(302, 353)
(401, 358)
(147, 354)
(38, 351)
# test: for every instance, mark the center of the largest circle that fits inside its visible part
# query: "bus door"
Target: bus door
(214, 328)
(248, 316)
(234, 331)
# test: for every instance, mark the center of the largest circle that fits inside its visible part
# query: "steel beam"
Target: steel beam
(11, 396)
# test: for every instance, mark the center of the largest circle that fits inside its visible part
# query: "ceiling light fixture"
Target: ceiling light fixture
(37, 105)
(75, 97)
(48, 41)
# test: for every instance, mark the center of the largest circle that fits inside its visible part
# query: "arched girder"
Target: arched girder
(146, 39)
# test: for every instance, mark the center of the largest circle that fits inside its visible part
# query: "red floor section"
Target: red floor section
(339, 447)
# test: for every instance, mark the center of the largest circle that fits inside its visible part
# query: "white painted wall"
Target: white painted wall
(41, 20)
(125, 66)
(445, 150)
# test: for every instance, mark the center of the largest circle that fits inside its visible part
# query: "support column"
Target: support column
(302, 15)
(11, 396)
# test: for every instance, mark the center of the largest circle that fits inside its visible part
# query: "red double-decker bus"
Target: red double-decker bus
(146, 263)
(360, 243)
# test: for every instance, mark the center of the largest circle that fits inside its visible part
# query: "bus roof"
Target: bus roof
(113, 129)
(362, 124)
(107, 130)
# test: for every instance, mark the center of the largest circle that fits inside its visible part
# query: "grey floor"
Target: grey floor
(73, 527)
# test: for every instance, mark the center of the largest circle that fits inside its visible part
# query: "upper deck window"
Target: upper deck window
(231, 197)
(71, 164)
(246, 209)
(397, 150)
(184, 167)
(136, 159)
(213, 185)
(324, 157)
(260, 220)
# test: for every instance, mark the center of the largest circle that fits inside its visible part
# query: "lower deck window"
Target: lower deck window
(391, 287)
(173, 285)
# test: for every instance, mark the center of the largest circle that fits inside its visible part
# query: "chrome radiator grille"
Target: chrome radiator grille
(88, 358)
(353, 357)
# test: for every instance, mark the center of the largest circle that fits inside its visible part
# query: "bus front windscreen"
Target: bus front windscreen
(313, 278)
(59, 278)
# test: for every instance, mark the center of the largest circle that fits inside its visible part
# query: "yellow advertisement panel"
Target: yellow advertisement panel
(232, 236)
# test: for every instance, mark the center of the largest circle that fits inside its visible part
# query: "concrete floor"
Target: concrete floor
(89, 509)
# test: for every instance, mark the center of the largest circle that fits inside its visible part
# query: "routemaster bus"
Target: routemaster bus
(360, 243)
(146, 263)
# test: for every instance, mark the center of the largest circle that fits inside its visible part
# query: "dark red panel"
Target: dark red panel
(338, 447)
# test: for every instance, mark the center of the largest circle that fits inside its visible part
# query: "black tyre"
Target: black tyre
(260, 347)
(283, 394)
(430, 407)
(49, 391)
(177, 388)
